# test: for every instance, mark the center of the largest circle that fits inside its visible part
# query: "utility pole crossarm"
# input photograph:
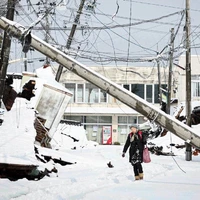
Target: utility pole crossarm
(115, 90)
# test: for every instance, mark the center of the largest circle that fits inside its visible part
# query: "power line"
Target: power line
(125, 38)
(160, 5)
(146, 49)
(137, 23)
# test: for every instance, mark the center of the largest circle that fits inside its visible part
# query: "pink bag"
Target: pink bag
(146, 155)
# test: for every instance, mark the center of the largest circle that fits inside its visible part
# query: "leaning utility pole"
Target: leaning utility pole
(47, 27)
(5, 51)
(71, 35)
(188, 77)
(171, 53)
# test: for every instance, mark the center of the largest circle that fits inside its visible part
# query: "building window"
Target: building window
(72, 88)
(146, 91)
(122, 119)
(126, 86)
(128, 120)
(91, 93)
(196, 88)
(138, 89)
(149, 93)
(124, 123)
(195, 77)
(91, 119)
(80, 93)
(86, 93)
(73, 118)
(156, 93)
(105, 119)
(123, 129)
(132, 120)
(98, 119)
(141, 120)
(103, 97)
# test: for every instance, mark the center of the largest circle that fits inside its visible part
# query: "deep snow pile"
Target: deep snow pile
(18, 136)
(70, 137)
(18, 133)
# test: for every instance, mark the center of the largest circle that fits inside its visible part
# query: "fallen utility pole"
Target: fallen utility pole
(71, 35)
(188, 77)
(5, 51)
(127, 97)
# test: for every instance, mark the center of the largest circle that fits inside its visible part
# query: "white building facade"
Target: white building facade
(99, 112)
(195, 78)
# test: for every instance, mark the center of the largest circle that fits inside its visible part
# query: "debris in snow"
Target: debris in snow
(42, 133)
(9, 94)
(13, 172)
(159, 151)
(1, 116)
(47, 158)
(74, 139)
(110, 165)
(28, 90)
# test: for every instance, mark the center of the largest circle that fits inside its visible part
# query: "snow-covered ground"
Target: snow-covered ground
(91, 179)
(166, 177)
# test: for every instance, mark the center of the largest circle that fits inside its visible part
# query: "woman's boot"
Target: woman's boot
(141, 176)
(137, 178)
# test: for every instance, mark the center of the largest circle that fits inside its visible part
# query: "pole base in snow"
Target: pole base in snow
(188, 153)
(188, 156)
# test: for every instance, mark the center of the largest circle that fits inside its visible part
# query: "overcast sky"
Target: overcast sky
(100, 47)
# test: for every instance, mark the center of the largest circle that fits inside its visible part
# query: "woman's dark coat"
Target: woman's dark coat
(137, 144)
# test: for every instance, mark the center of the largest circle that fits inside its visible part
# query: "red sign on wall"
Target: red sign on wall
(107, 135)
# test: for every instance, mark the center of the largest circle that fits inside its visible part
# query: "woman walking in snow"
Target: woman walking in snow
(136, 141)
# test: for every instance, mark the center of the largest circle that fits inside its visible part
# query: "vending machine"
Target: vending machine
(107, 135)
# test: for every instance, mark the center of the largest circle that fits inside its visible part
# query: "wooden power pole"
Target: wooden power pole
(71, 35)
(47, 28)
(170, 71)
(159, 82)
(188, 77)
(5, 51)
